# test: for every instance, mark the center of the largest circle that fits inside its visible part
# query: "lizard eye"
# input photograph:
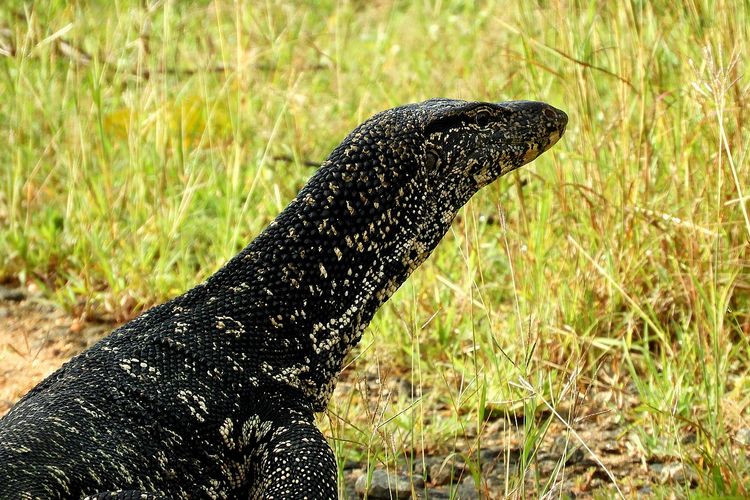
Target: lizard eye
(482, 119)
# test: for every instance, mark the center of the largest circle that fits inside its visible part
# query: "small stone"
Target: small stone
(645, 490)
(77, 326)
(493, 454)
(440, 493)
(468, 490)
(406, 388)
(442, 473)
(575, 456)
(672, 473)
(546, 467)
(689, 439)
(743, 436)
(384, 485)
(350, 464)
(572, 450)
(656, 467)
(12, 294)
(494, 459)
(422, 467)
(610, 446)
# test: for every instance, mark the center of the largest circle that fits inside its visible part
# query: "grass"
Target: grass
(147, 142)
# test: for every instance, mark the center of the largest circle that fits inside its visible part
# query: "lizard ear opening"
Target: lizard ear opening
(432, 161)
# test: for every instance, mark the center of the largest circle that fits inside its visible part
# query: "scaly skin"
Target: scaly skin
(212, 394)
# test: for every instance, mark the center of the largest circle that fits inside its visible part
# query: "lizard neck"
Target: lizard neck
(306, 288)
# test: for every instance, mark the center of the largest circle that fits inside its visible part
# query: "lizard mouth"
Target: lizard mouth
(537, 149)
(533, 152)
(554, 137)
(560, 121)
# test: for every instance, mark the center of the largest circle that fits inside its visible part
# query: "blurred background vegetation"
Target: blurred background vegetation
(146, 142)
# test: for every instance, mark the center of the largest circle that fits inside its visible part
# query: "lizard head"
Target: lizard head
(442, 151)
(467, 145)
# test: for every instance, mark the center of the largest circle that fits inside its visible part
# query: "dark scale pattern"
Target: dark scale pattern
(212, 394)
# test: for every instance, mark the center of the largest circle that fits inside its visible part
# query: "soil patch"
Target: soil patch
(36, 338)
